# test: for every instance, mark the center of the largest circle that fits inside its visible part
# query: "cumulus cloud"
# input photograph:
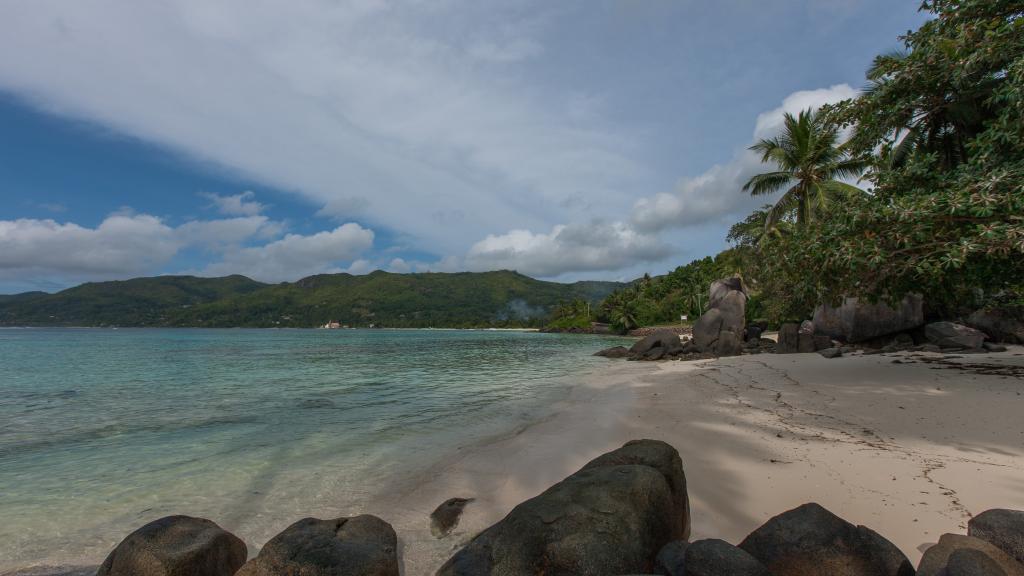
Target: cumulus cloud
(126, 244)
(567, 248)
(395, 110)
(296, 256)
(121, 244)
(717, 194)
(243, 204)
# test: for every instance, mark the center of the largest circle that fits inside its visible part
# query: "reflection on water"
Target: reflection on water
(102, 430)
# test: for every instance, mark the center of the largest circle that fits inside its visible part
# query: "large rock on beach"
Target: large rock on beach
(729, 344)
(935, 560)
(1002, 528)
(1000, 325)
(789, 339)
(857, 320)
(358, 546)
(810, 540)
(967, 562)
(667, 341)
(176, 546)
(609, 518)
(953, 335)
(719, 289)
(727, 312)
(718, 558)
(671, 559)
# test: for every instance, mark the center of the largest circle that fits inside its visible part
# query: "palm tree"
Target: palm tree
(811, 164)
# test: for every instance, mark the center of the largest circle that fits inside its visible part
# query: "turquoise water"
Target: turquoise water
(101, 430)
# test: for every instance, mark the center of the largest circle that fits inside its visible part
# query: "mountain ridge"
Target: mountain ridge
(502, 298)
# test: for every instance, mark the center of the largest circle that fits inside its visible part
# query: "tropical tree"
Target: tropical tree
(811, 166)
(945, 217)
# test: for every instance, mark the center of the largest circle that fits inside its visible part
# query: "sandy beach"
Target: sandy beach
(909, 444)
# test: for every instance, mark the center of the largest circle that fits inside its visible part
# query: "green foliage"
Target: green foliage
(463, 300)
(810, 166)
(662, 299)
(568, 315)
(940, 126)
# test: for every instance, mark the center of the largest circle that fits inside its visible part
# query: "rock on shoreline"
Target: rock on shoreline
(625, 512)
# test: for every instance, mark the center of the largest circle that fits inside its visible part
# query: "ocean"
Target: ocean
(102, 430)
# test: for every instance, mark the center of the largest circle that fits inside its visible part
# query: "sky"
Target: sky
(590, 139)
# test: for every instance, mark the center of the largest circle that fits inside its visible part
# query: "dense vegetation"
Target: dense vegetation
(936, 150)
(490, 299)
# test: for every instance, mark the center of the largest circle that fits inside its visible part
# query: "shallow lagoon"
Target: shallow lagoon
(103, 430)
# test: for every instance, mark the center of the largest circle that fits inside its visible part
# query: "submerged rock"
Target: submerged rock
(446, 517)
(1002, 528)
(609, 518)
(935, 559)
(810, 540)
(176, 545)
(614, 352)
(358, 546)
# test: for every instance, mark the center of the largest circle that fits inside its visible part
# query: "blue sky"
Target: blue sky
(567, 140)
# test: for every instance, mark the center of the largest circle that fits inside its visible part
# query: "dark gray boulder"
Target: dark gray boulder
(936, 559)
(176, 546)
(706, 330)
(446, 517)
(729, 344)
(671, 559)
(856, 320)
(789, 339)
(358, 546)
(718, 558)
(831, 352)
(614, 352)
(810, 540)
(969, 562)
(669, 343)
(1002, 528)
(719, 289)
(991, 347)
(1001, 325)
(609, 518)
(805, 342)
(953, 335)
(753, 333)
(727, 312)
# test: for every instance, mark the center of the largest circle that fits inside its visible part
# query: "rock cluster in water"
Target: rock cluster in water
(625, 512)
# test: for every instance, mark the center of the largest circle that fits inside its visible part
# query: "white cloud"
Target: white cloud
(394, 110)
(242, 204)
(121, 244)
(567, 248)
(126, 244)
(296, 256)
(399, 266)
(224, 233)
(717, 194)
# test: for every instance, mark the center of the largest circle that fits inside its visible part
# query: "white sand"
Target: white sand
(911, 450)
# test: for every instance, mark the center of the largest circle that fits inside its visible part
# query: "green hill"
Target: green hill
(486, 299)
